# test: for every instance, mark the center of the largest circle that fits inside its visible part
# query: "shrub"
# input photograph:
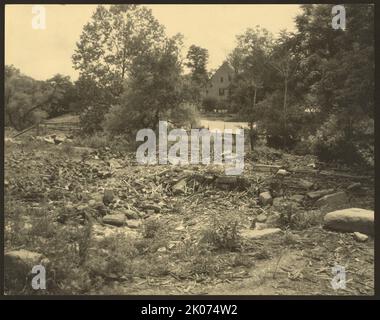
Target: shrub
(335, 142)
(223, 233)
(92, 117)
(210, 103)
(114, 121)
(186, 115)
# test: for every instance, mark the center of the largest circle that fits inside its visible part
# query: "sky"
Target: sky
(42, 53)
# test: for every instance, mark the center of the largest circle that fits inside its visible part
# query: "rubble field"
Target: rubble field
(103, 224)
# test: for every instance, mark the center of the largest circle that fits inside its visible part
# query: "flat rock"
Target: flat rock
(114, 219)
(351, 220)
(258, 234)
(305, 184)
(297, 198)
(320, 193)
(333, 200)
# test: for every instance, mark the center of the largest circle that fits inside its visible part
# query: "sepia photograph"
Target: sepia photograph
(189, 150)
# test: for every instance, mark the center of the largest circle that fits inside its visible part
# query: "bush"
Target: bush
(210, 103)
(186, 115)
(223, 233)
(92, 118)
(114, 122)
(334, 142)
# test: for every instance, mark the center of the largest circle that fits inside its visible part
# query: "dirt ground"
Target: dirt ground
(182, 234)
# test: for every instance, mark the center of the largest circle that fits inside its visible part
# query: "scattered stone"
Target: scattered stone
(282, 172)
(104, 174)
(180, 228)
(320, 193)
(297, 198)
(351, 220)
(161, 250)
(258, 234)
(277, 202)
(265, 198)
(150, 206)
(117, 219)
(360, 237)
(49, 140)
(179, 187)
(130, 214)
(305, 184)
(261, 226)
(134, 224)
(108, 196)
(261, 218)
(172, 244)
(333, 200)
(59, 139)
(100, 232)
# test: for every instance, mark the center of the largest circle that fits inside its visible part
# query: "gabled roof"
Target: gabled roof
(225, 64)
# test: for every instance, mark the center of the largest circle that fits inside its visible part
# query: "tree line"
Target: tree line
(310, 91)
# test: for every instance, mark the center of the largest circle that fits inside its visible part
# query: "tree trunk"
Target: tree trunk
(284, 110)
(251, 130)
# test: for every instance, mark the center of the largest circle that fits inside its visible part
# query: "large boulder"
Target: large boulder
(351, 220)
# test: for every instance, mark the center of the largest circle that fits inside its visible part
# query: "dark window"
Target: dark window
(206, 91)
(221, 92)
(221, 79)
(229, 78)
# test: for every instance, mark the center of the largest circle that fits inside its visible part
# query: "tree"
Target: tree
(250, 61)
(197, 58)
(153, 91)
(25, 98)
(108, 46)
(338, 69)
(64, 97)
(283, 60)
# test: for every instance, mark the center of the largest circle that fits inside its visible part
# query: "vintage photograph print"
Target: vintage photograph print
(189, 149)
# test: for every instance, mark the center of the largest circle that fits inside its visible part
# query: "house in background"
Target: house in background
(218, 85)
